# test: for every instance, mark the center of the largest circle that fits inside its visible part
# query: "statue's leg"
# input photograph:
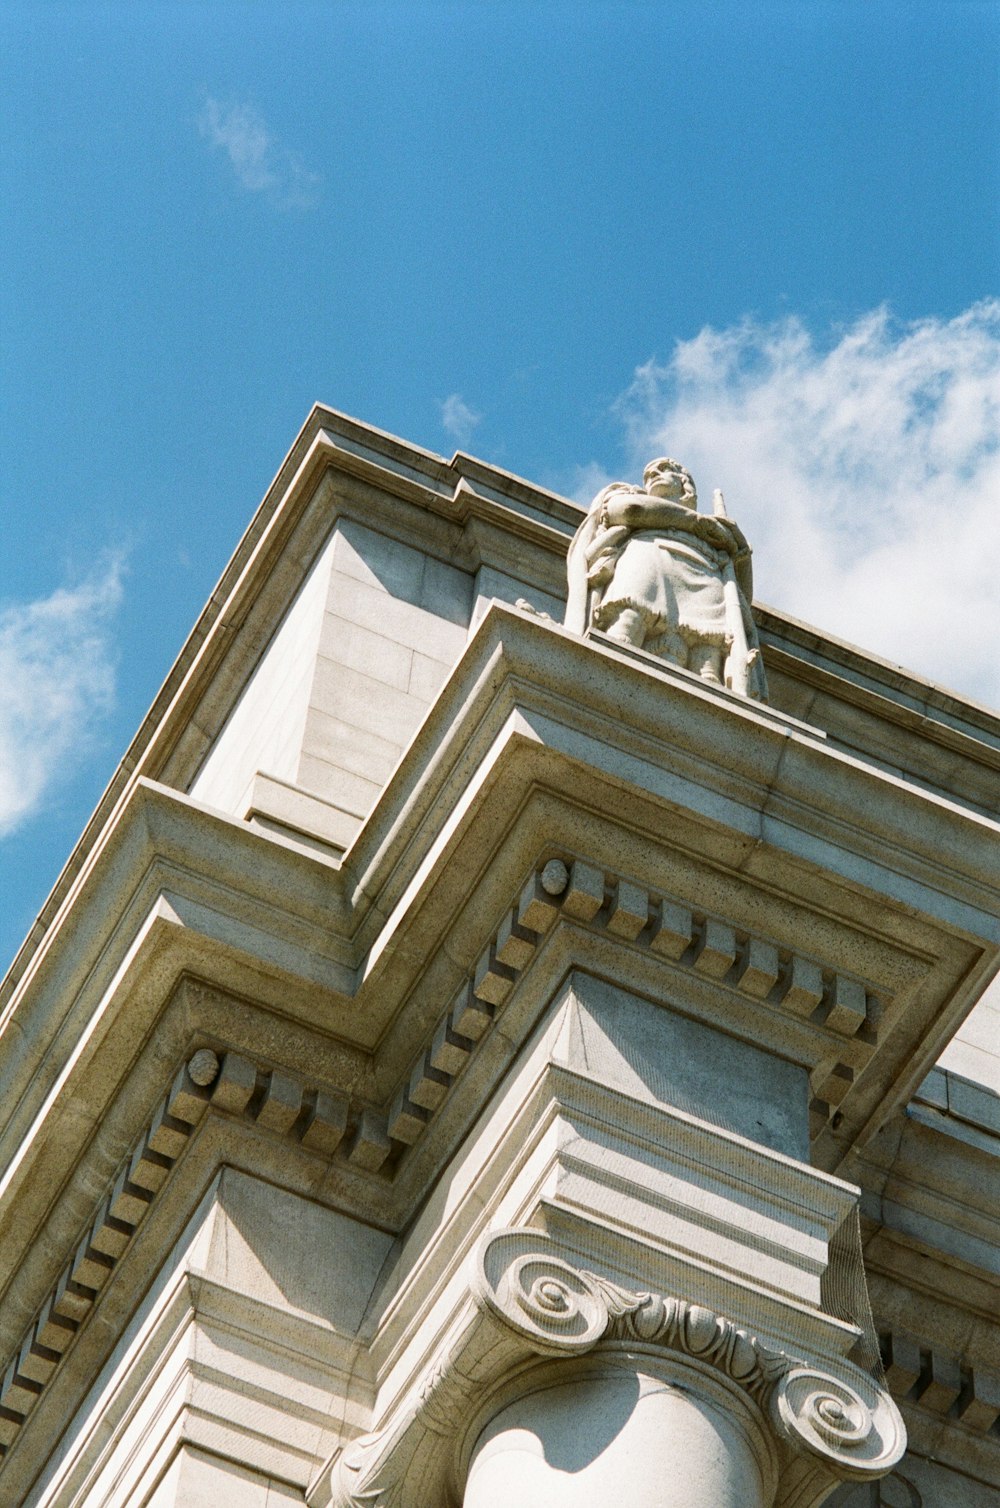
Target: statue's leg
(673, 647)
(628, 627)
(706, 660)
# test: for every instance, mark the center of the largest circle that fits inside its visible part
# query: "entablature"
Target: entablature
(703, 802)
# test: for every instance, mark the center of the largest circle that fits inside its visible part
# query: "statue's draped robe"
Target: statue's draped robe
(674, 581)
(678, 583)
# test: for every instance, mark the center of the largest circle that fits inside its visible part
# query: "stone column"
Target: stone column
(629, 1430)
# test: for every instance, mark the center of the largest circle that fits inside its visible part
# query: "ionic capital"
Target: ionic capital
(828, 1419)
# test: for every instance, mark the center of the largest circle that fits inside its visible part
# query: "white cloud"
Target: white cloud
(865, 472)
(583, 482)
(56, 681)
(261, 165)
(457, 419)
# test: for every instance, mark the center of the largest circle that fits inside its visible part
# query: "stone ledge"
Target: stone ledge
(961, 1099)
(300, 813)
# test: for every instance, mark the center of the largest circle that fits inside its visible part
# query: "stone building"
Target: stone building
(474, 1061)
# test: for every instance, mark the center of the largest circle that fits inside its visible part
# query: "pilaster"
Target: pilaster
(606, 1248)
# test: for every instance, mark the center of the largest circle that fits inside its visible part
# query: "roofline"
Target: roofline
(446, 477)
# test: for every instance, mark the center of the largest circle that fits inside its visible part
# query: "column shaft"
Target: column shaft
(620, 1437)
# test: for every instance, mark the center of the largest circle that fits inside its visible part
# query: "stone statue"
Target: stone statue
(651, 571)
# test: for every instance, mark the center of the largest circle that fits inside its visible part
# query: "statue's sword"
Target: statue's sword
(738, 660)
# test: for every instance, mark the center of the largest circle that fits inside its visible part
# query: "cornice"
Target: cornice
(843, 1007)
(379, 1138)
(909, 700)
(940, 1382)
(825, 1016)
(930, 1211)
(283, 1104)
(749, 810)
(926, 1377)
(426, 906)
(703, 756)
(328, 440)
(169, 1387)
(118, 1215)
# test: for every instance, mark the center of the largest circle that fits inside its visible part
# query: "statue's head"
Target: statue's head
(667, 478)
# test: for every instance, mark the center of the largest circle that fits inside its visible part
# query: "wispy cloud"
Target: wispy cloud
(865, 470)
(457, 419)
(56, 681)
(261, 164)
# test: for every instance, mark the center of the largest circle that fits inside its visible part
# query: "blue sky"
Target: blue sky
(562, 236)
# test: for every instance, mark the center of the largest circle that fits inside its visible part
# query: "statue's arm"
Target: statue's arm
(637, 510)
(726, 535)
(740, 552)
(744, 576)
(605, 541)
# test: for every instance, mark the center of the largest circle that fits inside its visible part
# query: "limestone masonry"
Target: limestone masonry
(518, 1032)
